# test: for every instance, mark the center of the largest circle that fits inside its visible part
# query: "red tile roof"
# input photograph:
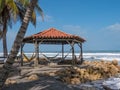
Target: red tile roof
(53, 33)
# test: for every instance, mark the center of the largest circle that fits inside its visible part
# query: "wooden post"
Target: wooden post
(36, 61)
(72, 47)
(73, 53)
(62, 51)
(21, 54)
(81, 52)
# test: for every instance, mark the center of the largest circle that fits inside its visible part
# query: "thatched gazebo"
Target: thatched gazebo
(54, 36)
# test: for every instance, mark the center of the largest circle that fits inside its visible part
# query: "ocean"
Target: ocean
(87, 55)
(102, 55)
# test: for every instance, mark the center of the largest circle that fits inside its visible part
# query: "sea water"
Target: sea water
(88, 55)
(102, 56)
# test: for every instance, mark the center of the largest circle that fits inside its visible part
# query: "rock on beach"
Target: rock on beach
(91, 71)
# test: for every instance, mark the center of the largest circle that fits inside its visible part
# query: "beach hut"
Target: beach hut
(54, 36)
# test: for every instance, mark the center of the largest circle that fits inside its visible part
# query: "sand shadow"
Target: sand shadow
(44, 83)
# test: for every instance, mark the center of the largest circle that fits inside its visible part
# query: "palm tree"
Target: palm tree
(1, 30)
(6, 6)
(10, 10)
(16, 45)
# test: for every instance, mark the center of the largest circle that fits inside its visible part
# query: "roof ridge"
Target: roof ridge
(45, 31)
(51, 29)
(42, 32)
(62, 32)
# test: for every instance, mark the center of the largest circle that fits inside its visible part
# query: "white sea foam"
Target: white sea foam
(103, 56)
(87, 56)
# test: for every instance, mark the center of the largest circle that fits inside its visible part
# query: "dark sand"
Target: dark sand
(43, 83)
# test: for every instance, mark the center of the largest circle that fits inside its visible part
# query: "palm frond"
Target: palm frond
(21, 10)
(33, 19)
(16, 10)
(39, 10)
(1, 34)
(25, 3)
(2, 3)
(13, 8)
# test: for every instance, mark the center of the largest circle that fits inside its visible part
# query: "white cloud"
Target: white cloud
(47, 18)
(114, 27)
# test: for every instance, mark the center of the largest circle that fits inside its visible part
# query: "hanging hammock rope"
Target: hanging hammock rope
(67, 53)
(28, 59)
(49, 58)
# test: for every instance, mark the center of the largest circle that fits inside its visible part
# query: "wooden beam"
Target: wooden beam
(62, 51)
(73, 53)
(81, 52)
(41, 41)
(36, 60)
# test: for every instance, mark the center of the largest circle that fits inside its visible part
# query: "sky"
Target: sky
(98, 21)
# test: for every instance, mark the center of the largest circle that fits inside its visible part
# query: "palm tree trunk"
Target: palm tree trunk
(16, 45)
(5, 51)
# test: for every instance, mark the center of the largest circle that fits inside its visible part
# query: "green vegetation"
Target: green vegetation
(13, 11)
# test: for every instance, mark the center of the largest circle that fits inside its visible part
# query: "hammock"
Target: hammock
(28, 59)
(67, 53)
(49, 58)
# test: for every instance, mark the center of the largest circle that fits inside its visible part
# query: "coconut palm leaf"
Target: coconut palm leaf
(12, 7)
(2, 2)
(39, 10)
(33, 19)
(14, 10)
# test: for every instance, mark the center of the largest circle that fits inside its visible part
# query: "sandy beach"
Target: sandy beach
(44, 77)
(44, 82)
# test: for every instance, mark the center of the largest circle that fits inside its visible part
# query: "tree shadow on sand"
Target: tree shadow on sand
(44, 83)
